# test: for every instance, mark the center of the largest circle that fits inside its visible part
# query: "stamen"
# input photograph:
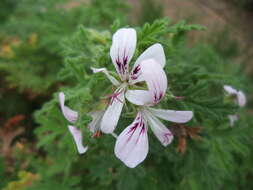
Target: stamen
(97, 134)
(114, 96)
(119, 100)
(179, 97)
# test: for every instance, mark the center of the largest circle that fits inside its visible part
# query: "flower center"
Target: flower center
(114, 97)
(97, 134)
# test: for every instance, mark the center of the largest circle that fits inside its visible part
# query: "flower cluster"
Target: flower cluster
(132, 145)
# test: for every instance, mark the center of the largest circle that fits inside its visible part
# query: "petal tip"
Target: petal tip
(77, 136)
(241, 99)
(83, 150)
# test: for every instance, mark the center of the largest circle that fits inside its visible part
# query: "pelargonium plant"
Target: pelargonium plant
(143, 88)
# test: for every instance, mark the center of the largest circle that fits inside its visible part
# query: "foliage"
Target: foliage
(196, 73)
(6, 8)
(30, 52)
(49, 46)
(26, 180)
(151, 10)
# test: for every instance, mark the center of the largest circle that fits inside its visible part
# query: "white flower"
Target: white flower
(72, 116)
(240, 100)
(121, 52)
(132, 144)
(240, 96)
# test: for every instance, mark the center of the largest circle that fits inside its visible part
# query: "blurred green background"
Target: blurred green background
(39, 42)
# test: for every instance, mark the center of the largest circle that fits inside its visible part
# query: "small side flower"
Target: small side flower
(72, 117)
(240, 99)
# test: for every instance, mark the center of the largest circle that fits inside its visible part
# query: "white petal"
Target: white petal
(232, 119)
(132, 144)
(241, 98)
(122, 50)
(161, 132)
(68, 113)
(155, 78)
(77, 135)
(112, 114)
(94, 125)
(230, 89)
(110, 77)
(172, 115)
(155, 52)
(139, 97)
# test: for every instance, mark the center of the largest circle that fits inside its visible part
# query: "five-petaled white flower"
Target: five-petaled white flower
(132, 144)
(72, 117)
(240, 99)
(121, 52)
